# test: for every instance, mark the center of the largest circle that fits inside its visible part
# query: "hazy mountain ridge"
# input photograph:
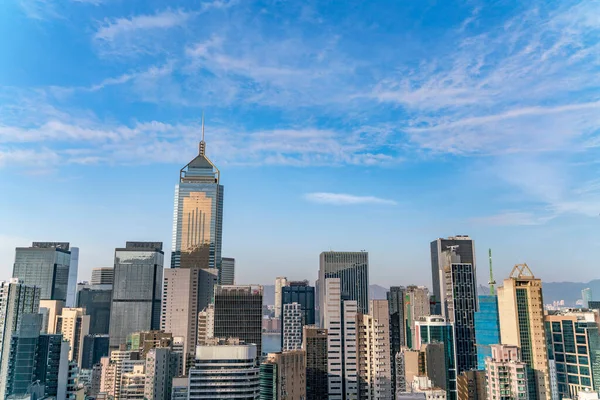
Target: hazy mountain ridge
(570, 292)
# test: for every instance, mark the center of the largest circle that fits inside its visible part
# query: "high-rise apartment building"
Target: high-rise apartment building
(506, 374)
(435, 329)
(50, 310)
(238, 313)
(291, 331)
(198, 214)
(487, 328)
(395, 297)
(459, 303)
(282, 376)
(206, 325)
(352, 269)
(340, 322)
(45, 265)
(74, 325)
(186, 292)
(471, 385)
(521, 310)
(373, 346)
(16, 300)
(575, 349)
(133, 384)
(314, 343)
(416, 305)
(466, 252)
(280, 282)
(216, 364)
(227, 271)
(102, 276)
(96, 300)
(113, 368)
(161, 368)
(137, 290)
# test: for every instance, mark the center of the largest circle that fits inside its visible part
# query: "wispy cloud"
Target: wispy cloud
(514, 218)
(343, 199)
(113, 29)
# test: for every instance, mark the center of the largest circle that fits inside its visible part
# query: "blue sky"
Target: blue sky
(336, 125)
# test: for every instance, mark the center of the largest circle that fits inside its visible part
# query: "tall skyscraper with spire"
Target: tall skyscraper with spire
(198, 215)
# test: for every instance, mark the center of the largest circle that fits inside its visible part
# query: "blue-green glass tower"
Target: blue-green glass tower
(487, 328)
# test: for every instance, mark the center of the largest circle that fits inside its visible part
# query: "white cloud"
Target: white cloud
(342, 199)
(113, 29)
(514, 218)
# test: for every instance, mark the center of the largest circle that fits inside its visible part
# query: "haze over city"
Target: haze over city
(343, 126)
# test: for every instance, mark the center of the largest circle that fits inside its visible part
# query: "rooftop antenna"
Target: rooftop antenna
(492, 282)
(202, 147)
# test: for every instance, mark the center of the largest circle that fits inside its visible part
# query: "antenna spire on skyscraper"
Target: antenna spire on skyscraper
(492, 282)
(202, 147)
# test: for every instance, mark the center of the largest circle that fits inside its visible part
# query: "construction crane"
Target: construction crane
(492, 282)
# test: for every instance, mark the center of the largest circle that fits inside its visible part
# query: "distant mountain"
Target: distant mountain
(377, 292)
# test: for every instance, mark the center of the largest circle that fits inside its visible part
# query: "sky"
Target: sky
(351, 125)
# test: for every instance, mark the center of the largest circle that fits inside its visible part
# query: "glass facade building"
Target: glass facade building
(45, 265)
(574, 345)
(227, 271)
(299, 292)
(136, 297)
(96, 300)
(352, 268)
(94, 348)
(198, 215)
(22, 355)
(487, 328)
(395, 298)
(238, 314)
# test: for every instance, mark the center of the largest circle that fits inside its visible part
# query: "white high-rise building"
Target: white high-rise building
(292, 327)
(216, 364)
(16, 299)
(161, 368)
(280, 282)
(340, 322)
(506, 374)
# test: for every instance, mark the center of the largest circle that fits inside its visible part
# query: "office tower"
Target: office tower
(459, 302)
(586, 296)
(74, 325)
(466, 252)
(314, 343)
(133, 384)
(435, 329)
(373, 344)
(216, 363)
(575, 349)
(487, 328)
(96, 300)
(340, 322)
(45, 265)
(136, 291)
(303, 294)
(72, 283)
(594, 305)
(94, 348)
(280, 282)
(395, 297)
(102, 276)
(416, 305)
(16, 300)
(434, 356)
(506, 373)
(521, 310)
(238, 313)
(186, 292)
(352, 268)
(52, 363)
(282, 376)
(143, 342)
(198, 215)
(471, 385)
(180, 388)
(50, 309)
(227, 271)
(161, 368)
(291, 332)
(22, 355)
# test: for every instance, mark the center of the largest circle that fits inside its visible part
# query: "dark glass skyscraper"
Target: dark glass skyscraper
(94, 348)
(487, 328)
(466, 251)
(314, 343)
(238, 314)
(45, 265)
(136, 291)
(395, 298)
(96, 300)
(198, 215)
(353, 270)
(299, 292)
